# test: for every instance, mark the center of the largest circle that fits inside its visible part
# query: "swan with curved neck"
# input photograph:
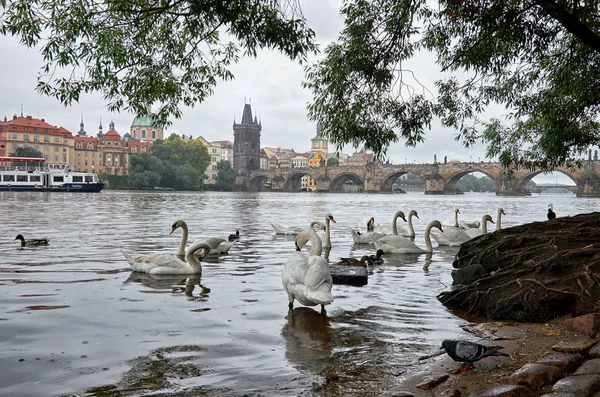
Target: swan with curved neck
(453, 223)
(478, 232)
(408, 246)
(306, 277)
(499, 218)
(403, 232)
(328, 219)
(306, 235)
(161, 263)
(219, 245)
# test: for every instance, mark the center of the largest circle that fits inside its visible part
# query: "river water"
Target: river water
(75, 321)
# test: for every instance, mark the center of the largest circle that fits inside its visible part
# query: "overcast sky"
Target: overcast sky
(271, 82)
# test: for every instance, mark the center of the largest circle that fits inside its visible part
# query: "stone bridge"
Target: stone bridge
(438, 178)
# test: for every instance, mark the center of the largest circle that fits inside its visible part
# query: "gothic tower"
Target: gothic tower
(246, 142)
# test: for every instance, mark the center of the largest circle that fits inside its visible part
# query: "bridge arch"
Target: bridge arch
(259, 183)
(525, 179)
(293, 181)
(450, 184)
(389, 180)
(350, 178)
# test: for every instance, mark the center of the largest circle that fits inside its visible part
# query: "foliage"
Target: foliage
(26, 152)
(539, 59)
(225, 176)
(172, 163)
(477, 184)
(120, 182)
(138, 53)
(333, 162)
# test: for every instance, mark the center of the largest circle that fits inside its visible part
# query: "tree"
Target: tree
(333, 162)
(225, 176)
(538, 58)
(26, 152)
(145, 171)
(145, 52)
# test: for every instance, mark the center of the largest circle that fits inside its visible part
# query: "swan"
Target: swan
(162, 263)
(453, 223)
(280, 229)
(306, 277)
(409, 247)
(470, 225)
(32, 242)
(304, 236)
(478, 232)
(365, 238)
(453, 236)
(499, 218)
(551, 213)
(219, 245)
(327, 242)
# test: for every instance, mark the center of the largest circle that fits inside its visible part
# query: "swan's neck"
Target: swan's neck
(411, 230)
(327, 234)
(484, 224)
(428, 245)
(315, 241)
(191, 259)
(455, 218)
(184, 238)
(498, 220)
(394, 227)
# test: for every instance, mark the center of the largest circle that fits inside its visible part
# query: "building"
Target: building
(214, 151)
(264, 160)
(55, 143)
(318, 143)
(226, 150)
(246, 142)
(145, 128)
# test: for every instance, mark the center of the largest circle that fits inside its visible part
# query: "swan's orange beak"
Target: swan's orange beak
(296, 244)
(333, 220)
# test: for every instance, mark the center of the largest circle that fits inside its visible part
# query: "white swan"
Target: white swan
(162, 263)
(327, 240)
(470, 225)
(399, 230)
(409, 247)
(219, 245)
(306, 277)
(453, 236)
(287, 230)
(365, 238)
(453, 223)
(478, 232)
(499, 218)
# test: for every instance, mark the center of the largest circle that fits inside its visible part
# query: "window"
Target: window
(58, 178)
(56, 140)
(89, 178)
(77, 179)
(25, 129)
(56, 149)
(133, 149)
(153, 134)
(46, 139)
(143, 149)
(55, 158)
(21, 178)
(45, 132)
(46, 147)
(214, 158)
(79, 145)
(34, 178)
(8, 178)
(25, 145)
(47, 157)
(36, 147)
(36, 138)
(25, 136)
(15, 136)
(90, 146)
(79, 154)
(143, 133)
(15, 145)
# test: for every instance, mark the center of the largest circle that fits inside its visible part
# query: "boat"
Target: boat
(29, 174)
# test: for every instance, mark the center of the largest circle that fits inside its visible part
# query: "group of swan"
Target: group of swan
(163, 263)
(290, 230)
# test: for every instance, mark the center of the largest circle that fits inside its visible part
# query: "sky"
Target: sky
(271, 83)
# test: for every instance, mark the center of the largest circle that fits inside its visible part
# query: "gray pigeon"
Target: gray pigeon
(469, 352)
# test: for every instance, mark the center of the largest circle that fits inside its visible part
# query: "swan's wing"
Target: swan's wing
(396, 241)
(408, 248)
(222, 248)
(214, 242)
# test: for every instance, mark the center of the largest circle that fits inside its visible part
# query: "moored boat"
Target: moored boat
(31, 175)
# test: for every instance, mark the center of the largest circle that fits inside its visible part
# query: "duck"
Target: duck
(306, 277)
(408, 246)
(499, 218)
(364, 261)
(478, 232)
(551, 213)
(163, 263)
(371, 224)
(31, 242)
(235, 236)
(377, 259)
(219, 245)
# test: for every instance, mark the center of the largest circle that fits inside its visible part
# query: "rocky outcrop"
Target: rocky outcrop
(530, 273)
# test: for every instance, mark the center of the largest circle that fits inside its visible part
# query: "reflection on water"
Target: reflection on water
(75, 320)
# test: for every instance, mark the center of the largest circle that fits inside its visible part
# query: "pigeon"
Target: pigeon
(469, 352)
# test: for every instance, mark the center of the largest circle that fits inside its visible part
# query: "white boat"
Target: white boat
(31, 175)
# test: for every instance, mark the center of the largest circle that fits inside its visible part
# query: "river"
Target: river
(75, 321)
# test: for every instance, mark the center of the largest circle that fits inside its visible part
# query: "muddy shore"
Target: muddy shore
(525, 342)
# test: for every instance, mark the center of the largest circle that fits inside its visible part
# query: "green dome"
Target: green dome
(146, 120)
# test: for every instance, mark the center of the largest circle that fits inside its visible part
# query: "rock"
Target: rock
(349, 275)
(595, 352)
(581, 386)
(564, 361)
(588, 324)
(393, 393)
(559, 395)
(535, 376)
(450, 393)
(575, 345)
(502, 391)
(432, 382)
(538, 271)
(590, 367)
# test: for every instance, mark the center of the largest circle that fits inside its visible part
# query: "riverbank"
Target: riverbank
(549, 345)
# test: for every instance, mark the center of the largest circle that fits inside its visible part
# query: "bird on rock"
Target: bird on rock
(469, 352)
(551, 213)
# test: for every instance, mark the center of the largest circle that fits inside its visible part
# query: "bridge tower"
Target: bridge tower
(246, 142)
